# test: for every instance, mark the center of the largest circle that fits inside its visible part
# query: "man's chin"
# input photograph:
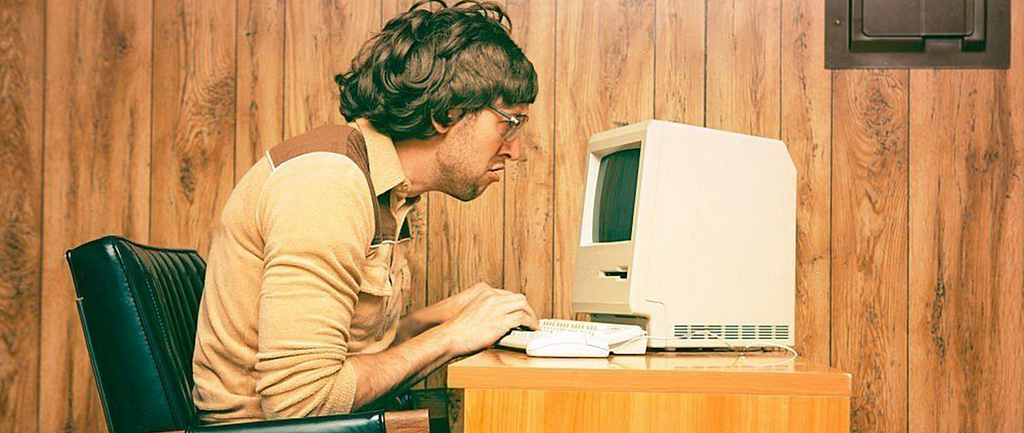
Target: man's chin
(470, 194)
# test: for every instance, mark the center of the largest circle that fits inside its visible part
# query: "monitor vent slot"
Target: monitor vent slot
(781, 332)
(732, 332)
(681, 332)
(698, 332)
(744, 331)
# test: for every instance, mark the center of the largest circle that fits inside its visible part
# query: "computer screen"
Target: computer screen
(616, 193)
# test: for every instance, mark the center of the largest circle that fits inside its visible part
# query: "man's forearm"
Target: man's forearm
(403, 364)
(419, 321)
(412, 325)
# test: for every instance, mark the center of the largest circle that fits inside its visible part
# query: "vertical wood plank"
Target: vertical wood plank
(465, 242)
(679, 61)
(194, 129)
(259, 102)
(965, 254)
(604, 77)
(393, 8)
(529, 200)
(967, 245)
(807, 130)
(869, 244)
(743, 66)
(96, 177)
(322, 38)
(21, 173)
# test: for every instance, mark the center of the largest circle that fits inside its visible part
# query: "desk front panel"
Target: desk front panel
(533, 411)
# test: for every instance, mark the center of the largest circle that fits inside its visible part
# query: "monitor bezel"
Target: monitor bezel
(596, 151)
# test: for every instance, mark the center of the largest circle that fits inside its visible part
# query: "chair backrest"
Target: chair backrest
(138, 307)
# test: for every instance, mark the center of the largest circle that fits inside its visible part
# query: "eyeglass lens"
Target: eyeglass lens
(515, 126)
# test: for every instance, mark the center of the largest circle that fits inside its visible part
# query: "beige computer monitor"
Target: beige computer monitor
(705, 248)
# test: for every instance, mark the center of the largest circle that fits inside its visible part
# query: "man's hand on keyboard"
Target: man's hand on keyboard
(453, 305)
(486, 318)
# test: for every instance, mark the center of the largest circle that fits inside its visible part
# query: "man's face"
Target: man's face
(474, 153)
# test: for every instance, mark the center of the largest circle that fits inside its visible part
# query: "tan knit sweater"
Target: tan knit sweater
(306, 267)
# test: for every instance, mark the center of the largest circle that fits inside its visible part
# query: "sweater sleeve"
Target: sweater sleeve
(316, 217)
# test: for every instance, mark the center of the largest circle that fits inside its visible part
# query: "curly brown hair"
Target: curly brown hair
(427, 62)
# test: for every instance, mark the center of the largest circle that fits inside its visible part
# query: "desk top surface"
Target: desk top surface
(687, 372)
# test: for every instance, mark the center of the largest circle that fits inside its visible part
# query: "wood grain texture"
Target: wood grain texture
(679, 61)
(194, 131)
(393, 8)
(922, 239)
(604, 77)
(529, 200)
(259, 99)
(967, 245)
(869, 244)
(407, 421)
(743, 66)
(699, 373)
(596, 411)
(21, 196)
(96, 177)
(806, 129)
(322, 38)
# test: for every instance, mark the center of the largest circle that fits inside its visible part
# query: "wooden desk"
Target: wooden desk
(507, 391)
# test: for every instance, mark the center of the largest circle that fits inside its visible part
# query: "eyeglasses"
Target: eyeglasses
(515, 123)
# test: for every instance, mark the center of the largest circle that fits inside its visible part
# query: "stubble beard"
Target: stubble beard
(455, 175)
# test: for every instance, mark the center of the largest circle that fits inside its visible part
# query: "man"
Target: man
(307, 274)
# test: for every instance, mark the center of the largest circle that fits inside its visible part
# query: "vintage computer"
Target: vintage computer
(688, 233)
(691, 233)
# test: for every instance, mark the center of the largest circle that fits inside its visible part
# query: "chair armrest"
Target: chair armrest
(407, 421)
(410, 421)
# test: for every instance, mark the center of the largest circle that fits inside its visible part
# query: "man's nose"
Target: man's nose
(510, 150)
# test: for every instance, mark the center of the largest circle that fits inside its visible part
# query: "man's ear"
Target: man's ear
(441, 129)
(454, 114)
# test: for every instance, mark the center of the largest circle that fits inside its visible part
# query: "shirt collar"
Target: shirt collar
(385, 167)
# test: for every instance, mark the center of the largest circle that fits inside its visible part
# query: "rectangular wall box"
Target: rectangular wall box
(968, 34)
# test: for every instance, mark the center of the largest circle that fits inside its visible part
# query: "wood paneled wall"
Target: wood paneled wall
(136, 118)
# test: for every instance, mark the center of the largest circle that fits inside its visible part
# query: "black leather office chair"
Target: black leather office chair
(138, 307)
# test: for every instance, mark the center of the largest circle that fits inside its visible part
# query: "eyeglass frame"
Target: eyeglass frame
(515, 122)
